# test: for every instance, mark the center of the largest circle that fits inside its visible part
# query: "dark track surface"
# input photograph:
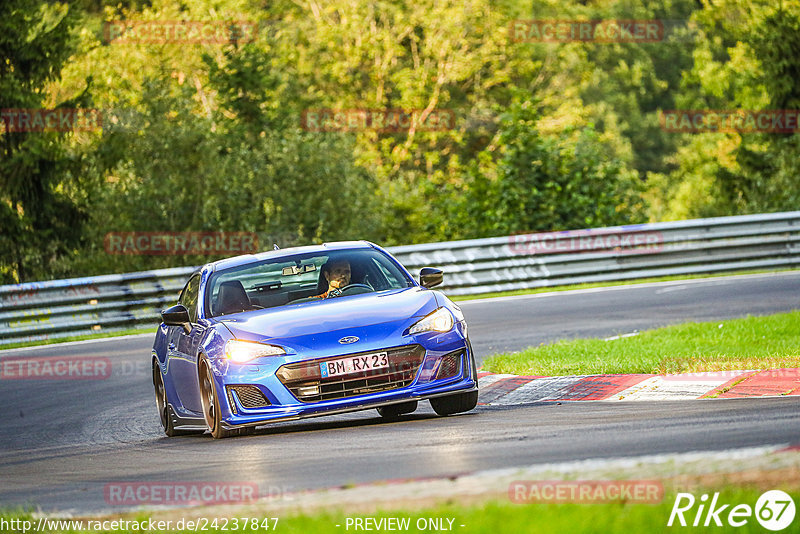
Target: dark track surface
(62, 441)
(514, 323)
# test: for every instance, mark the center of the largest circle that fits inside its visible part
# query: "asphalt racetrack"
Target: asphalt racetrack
(63, 441)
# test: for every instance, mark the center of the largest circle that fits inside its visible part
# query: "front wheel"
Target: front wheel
(460, 402)
(210, 401)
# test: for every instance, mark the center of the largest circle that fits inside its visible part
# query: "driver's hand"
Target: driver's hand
(336, 283)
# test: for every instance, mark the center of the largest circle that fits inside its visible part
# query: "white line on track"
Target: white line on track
(618, 463)
(631, 287)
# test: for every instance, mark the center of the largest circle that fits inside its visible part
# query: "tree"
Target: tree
(535, 182)
(41, 215)
(768, 174)
(747, 57)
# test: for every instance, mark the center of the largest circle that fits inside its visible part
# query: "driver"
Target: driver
(337, 274)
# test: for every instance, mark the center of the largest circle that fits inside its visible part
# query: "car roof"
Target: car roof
(271, 254)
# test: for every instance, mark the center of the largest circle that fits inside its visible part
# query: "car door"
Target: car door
(183, 348)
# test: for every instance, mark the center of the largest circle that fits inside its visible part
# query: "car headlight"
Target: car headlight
(244, 351)
(439, 321)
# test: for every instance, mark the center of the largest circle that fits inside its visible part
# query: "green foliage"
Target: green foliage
(172, 169)
(40, 218)
(208, 137)
(746, 57)
(535, 182)
(768, 177)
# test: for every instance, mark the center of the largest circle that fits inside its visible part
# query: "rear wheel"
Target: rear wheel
(210, 401)
(395, 410)
(460, 402)
(164, 410)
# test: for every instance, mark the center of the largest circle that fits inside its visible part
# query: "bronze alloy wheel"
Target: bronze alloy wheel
(210, 401)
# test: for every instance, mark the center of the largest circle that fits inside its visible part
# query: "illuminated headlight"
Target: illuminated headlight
(439, 321)
(244, 351)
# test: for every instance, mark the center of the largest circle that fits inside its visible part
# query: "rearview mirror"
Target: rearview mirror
(430, 277)
(177, 315)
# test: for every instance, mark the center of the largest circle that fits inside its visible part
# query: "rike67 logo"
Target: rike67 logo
(774, 510)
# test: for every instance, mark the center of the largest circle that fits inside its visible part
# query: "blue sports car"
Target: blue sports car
(308, 331)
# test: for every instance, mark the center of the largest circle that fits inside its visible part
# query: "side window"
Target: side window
(189, 296)
(388, 279)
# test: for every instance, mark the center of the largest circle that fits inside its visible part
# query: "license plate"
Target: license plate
(354, 364)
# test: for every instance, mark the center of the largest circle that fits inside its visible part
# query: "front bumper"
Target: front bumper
(284, 404)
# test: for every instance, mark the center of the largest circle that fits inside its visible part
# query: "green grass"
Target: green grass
(127, 332)
(502, 516)
(571, 287)
(768, 342)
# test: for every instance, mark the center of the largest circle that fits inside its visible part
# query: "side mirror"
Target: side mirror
(177, 315)
(430, 277)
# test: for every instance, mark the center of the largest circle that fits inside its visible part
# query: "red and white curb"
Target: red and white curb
(502, 389)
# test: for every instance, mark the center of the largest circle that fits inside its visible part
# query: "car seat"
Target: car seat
(232, 298)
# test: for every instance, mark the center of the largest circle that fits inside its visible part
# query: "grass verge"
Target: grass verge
(126, 332)
(492, 517)
(769, 342)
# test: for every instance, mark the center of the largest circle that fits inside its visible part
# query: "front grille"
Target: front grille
(450, 365)
(249, 396)
(306, 383)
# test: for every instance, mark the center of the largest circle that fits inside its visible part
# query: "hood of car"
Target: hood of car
(348, 313)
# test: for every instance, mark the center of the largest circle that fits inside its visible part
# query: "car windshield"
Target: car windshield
(302, 278)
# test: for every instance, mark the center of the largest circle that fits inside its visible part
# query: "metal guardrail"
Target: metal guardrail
(59, 308)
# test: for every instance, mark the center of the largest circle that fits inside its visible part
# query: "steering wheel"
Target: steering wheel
(341, 291)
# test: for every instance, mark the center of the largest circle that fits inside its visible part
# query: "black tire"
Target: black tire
(210, 401)
(396, 410)
(460, 402)
(164, 410)
(247, 431)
